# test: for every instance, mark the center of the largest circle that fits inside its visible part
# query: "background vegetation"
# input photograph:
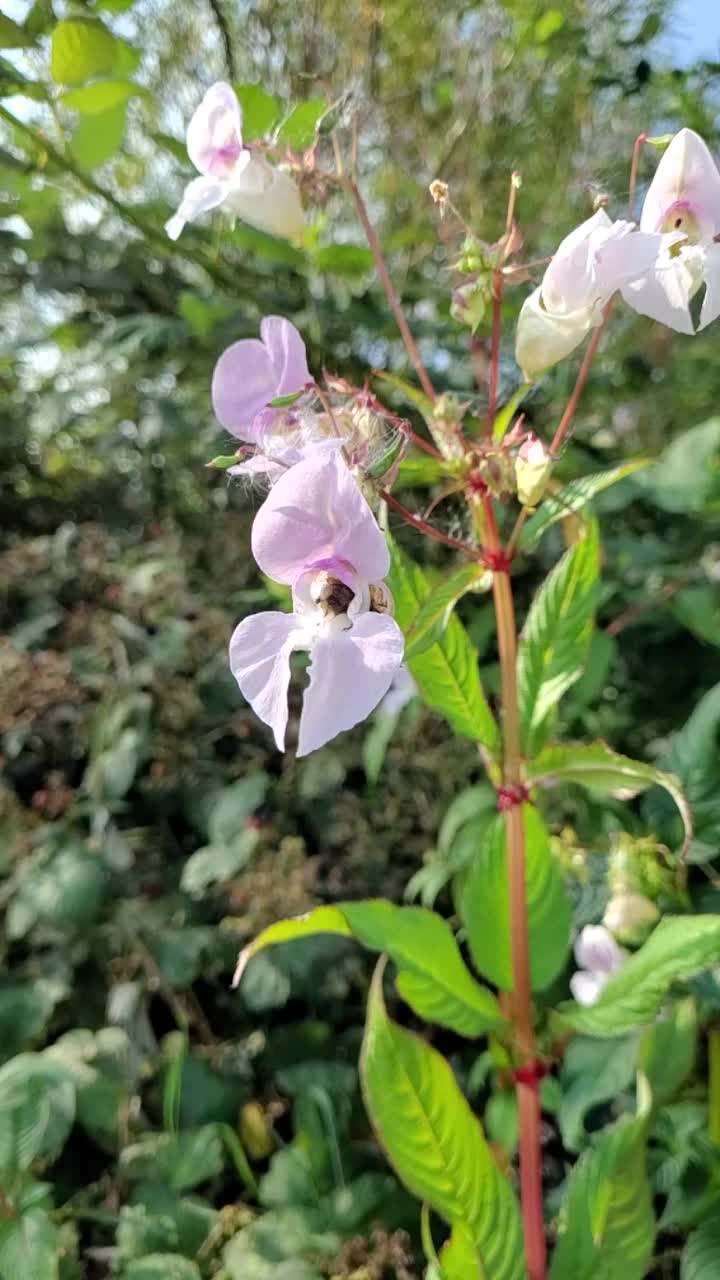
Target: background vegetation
(153, 1123)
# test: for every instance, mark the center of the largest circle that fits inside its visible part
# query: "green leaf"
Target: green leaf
(593, 1072)
(460, 1259)
(694, 758)
(686, 477)
(29, 1247)
(485, 905)
(607, 1226)
(223, 461)
(698, 608)
(233, 805)
(178, 1160)
(343, 259)
(701, 1255)
(281, 402)
(572, 498)
(81, 48)
(434, 1141)
(96, 99)
(436, 611)
(97, 138)
(604, 772)
(13, 36)
(679, 948)
(299, 128)
(555, 638)
(37, 1110)
(422, 471)
(447, 673)
(668, 1049)
(260, 110)
(162, 1266)
(507, 413)
(409, 393)
(432, 977)
(215, 864)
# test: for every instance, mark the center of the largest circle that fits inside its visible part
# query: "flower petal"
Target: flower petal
(259, 466)
(287, 353)
(664, 293)
(260, 650)
(201, 195)
(597, 950)
(269, 200)
(214, 134)
(350, 672)
(586, 987)
(621, 254)
(542, 339)
(686, 173)
(243, 381)
(711, 301)
(315, 512)
(565, 285)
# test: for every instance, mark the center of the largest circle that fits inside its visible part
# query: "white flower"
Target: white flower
(599, 957)
(595, 260)
(683, 206)
(233, 175)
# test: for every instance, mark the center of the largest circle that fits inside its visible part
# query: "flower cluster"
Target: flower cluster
(315, 533)
(658, 268)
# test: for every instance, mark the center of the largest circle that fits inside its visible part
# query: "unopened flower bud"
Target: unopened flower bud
(256, 1131)
(533, 466)
(469, 302)
(630, 917)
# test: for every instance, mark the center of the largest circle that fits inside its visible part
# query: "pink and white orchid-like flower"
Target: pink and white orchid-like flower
(254, 371)
(316, 533)
(599, 957)
(590, 264)
(682, 205)
(232, 174)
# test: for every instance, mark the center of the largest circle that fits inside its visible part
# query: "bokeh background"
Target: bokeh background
(149, 828)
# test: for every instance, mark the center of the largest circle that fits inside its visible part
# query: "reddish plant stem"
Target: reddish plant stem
(527, 1090)
(641, 138)
(423, 527)
(423, 444)
(390, 291)
(572, 404)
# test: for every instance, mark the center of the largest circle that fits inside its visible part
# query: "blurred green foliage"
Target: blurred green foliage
(153, 1123)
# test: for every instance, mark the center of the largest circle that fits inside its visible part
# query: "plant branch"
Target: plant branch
(221, 20)
(641, 138)
(527, 1088)
(423, 527)
(373, 240)
(572, 404)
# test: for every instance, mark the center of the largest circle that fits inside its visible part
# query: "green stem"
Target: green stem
(714, 1083)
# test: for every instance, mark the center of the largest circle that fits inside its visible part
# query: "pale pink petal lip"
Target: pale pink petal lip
(254, 371)
(686, 173)
(663, 294)
(597, 950)
(214, 134)
(350, 672)
(201, 195)
(314, 512)
(260, 650)
(587, 987)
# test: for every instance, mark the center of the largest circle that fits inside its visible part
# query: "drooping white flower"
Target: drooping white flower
(590, 264)
(682, 205)
(598, 957)
(232, 174)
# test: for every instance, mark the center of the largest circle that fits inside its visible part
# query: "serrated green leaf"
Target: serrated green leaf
(701, 1255)
(37, 1109)
(102, 96)
(686, 476)
(575, 495)
(299, 127)
(607, 1225)
(343, 259)
(432, 976)
(485, 905)
(555, 638)
(447, 673)
(29, 1247)
(460, 1259)
(410, 393)
(694, 759)
(593, 1072)
(260, 110)
(422, 471)
(436, 611)
(97, 138)
(81, 48)
(13, 36)
(162, 1266)
(668, 1049)
(603, 771)
(434, 1141)
(679, 948)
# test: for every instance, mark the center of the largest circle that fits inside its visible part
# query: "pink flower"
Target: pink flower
(599, 957)
(232, 174)
(683, 206)
(316, 533)
(254, 371)
(588, 266)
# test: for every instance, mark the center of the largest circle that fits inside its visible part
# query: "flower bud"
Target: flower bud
(542, 339)
(630, 917)
(469, 302)
(533, 466)
(256, 1131)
